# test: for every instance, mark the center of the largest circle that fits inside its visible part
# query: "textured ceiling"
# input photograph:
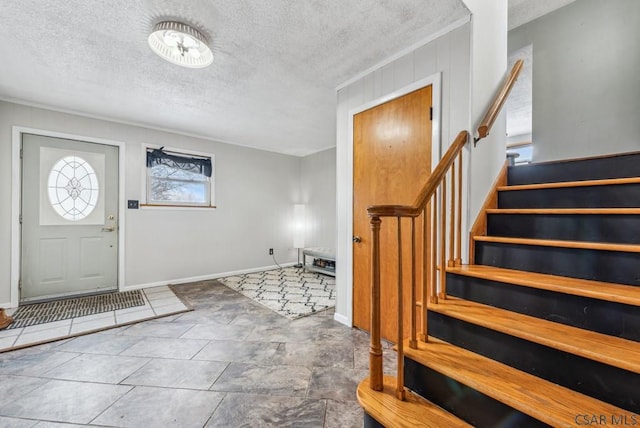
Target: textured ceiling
(523, 11)
(271, 86)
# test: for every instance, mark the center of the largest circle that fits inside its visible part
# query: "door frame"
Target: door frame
(16, 201)
(345, 242)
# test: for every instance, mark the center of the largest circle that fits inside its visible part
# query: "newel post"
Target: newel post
(375, 350)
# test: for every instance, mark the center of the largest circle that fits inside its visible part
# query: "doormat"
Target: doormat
(291, 292)
(40, 313)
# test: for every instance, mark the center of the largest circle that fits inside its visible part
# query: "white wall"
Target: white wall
(586, 89)
(255, 193)
(318, 180)
(448, 55)
(489, 63)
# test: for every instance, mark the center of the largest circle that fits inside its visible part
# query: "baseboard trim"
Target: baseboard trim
(6, 305)
(342, 319)
(202, 277)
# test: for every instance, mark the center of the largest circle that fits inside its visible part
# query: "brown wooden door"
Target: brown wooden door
(392, 161)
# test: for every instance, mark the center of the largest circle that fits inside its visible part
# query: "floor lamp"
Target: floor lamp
(298, 230)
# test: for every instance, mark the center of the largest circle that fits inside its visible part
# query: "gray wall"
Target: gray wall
(255, 193)
(318, 180)
(586, 84)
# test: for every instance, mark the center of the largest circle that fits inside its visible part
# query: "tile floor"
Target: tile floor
(158, 301)
(229, 363)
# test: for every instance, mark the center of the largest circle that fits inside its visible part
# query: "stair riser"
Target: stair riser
(601, 316)
(370, 422)
(601, 381)
(607, 266)
(466, 403)
(613, 196)
(611, 228)
(623, 166)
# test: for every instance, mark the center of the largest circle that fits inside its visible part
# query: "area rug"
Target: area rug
(40, 313)
(291, 292)
(108, 311)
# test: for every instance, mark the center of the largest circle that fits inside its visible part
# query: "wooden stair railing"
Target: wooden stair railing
(431, 203)
(498, 103)
(441, 240)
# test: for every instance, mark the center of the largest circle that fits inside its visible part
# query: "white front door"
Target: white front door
(69, 218)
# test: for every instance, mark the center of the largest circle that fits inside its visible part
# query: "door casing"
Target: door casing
(16, 190)
(345, 244)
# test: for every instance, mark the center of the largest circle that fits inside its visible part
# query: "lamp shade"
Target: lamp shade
(298, 226)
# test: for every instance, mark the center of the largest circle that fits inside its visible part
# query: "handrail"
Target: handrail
(440, 205)
(498, 102)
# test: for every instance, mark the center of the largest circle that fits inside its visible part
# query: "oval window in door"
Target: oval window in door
(73, 188)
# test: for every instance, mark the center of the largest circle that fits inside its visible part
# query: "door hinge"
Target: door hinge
(19, 284)
(21, 152)
(20, 219)
(430, 113)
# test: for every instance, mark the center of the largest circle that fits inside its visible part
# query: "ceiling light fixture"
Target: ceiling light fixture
(180, 44)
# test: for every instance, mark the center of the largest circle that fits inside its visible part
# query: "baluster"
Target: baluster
(434, 250)
(412, 340)
(400, 395)
(459, 225)
(426, 271)
(375, 350)
(443, 240)
(452, 214)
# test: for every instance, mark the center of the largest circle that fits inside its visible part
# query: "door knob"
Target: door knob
(356, 239)
(109, 229)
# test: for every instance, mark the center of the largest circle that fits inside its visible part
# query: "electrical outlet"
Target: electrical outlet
(271, 251)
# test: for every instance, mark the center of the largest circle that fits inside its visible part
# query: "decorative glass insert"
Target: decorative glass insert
(73, 188)
(178, 179)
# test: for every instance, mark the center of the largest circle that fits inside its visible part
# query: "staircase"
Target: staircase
(544, 328)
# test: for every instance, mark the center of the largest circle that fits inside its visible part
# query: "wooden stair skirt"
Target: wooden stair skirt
(544, 328)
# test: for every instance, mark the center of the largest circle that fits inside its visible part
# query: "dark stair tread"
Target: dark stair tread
(602, 246)
(562, 184)
(415, 411)
(618, 293)
(538, 398)
(565, 211)
(611, 350)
